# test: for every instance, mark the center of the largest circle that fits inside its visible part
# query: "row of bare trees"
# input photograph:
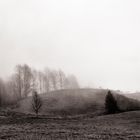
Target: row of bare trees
(50, 80)
(25, 79)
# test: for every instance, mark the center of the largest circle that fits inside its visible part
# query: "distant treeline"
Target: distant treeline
(25, 79)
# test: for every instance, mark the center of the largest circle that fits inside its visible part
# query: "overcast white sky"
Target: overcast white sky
(97, 40)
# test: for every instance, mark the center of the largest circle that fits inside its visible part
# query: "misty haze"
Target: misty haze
(70, 70)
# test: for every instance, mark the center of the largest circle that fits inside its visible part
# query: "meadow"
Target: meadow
(71, 115)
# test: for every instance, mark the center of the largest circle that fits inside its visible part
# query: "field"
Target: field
(71, 115)
(17, 126)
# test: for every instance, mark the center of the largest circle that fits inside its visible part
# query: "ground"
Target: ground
(17, 126)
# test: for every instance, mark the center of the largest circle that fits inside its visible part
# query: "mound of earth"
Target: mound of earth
(76, 101)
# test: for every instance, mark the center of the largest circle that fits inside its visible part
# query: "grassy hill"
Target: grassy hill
(77, 101)
(135, 96)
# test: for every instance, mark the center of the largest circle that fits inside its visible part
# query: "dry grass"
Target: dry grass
(125, 126)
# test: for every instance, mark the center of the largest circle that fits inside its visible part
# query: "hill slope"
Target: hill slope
(78, 101)
(134, 96)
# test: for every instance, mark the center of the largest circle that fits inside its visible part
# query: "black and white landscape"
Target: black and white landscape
(69, 70)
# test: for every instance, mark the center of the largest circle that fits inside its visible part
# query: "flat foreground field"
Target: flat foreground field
(123, 126)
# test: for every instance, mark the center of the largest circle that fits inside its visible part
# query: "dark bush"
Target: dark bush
(111, 106)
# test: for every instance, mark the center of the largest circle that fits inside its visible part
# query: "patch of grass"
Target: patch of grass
(29, 137)
(125, 126)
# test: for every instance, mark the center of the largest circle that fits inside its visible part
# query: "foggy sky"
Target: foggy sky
(97, 40)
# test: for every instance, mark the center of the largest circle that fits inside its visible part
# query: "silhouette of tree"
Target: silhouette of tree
(36, 103)
(111, 104)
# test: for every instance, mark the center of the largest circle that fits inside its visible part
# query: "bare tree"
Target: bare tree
(36, 103)
(2, 92)
(61, 78)
(34, 80)
(17, 81)
(47, 79)
(53, 78)
(27, 80)
(22, 80)
(41, 81)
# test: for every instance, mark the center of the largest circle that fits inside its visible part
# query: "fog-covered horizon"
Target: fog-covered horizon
(98, 41)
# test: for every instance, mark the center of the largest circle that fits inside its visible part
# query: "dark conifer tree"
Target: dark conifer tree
(111, 103)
